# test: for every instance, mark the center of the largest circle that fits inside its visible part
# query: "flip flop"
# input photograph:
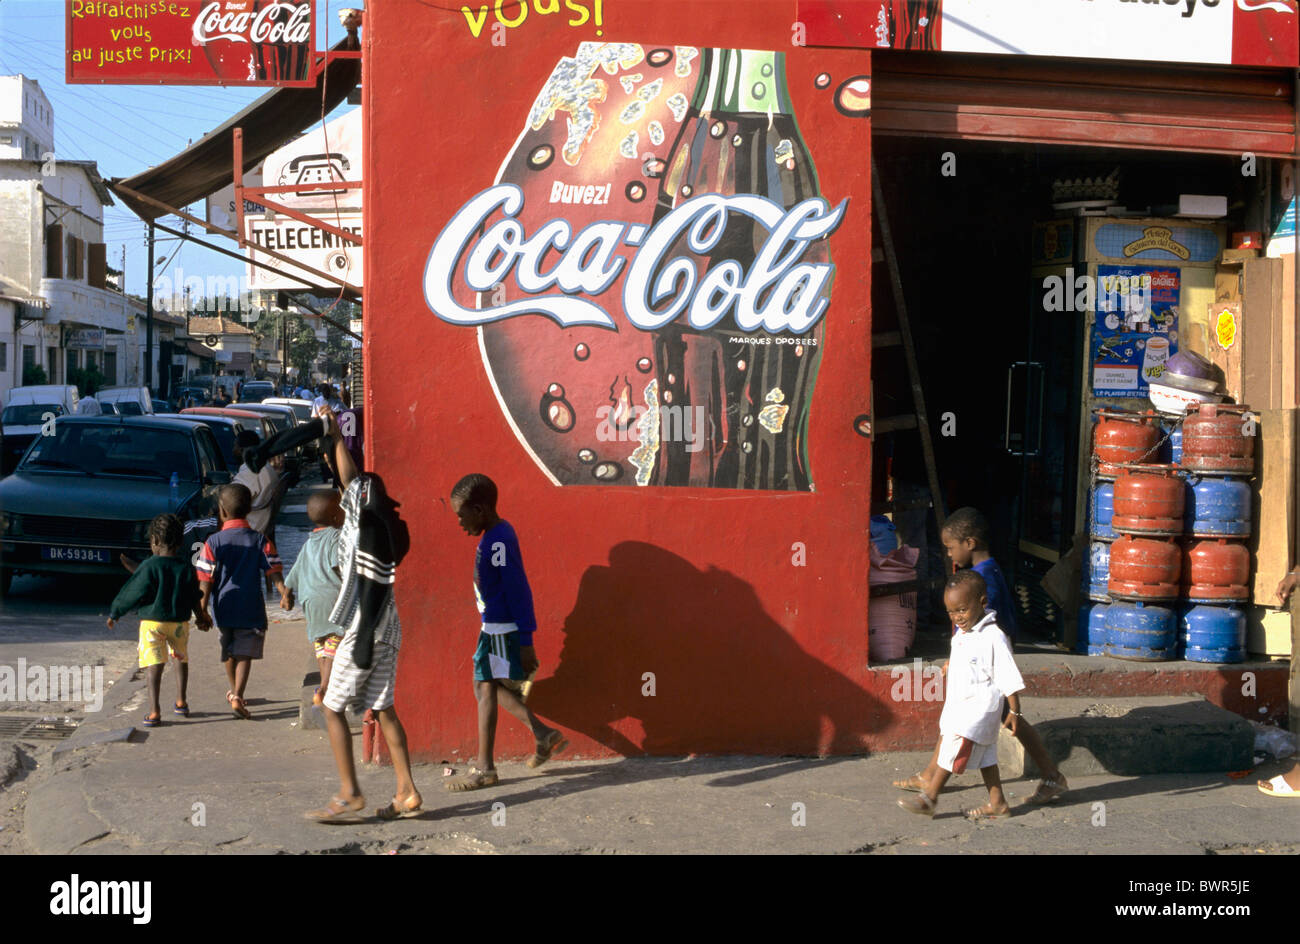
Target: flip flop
(182, 710)
(555, 743)
(915, 783)
(240, 710)
(393, 811)
(475, 779)
(151, 722)
(1278, 787)
(979, 814)
(336, 811)
(920, 804)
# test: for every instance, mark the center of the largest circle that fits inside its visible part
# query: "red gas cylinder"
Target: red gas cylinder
(1144, 569)
(1216, 439)
(1148, 500)
(1216, 570)
(1123, 436)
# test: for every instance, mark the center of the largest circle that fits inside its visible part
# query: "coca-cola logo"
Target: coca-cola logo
(778, 293)
(274, 23)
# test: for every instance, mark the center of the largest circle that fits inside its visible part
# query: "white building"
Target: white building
(53, 262)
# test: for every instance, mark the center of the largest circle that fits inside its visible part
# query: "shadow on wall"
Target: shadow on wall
(727, 677)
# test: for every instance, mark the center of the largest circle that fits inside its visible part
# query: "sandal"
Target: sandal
(240, 710)
(1278, 787)
(1052, 788)
(181, 708)
(920, 804)
(151, 721)
(915, 783)
(338, 811)
(393, 811)
(554, 743)
(475, 779)
(981, 813)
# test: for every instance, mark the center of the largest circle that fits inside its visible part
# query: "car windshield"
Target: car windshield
(301, 410)
(225, 434)
(114, 450)
(279, 421)
(29, 414)
(128, 408)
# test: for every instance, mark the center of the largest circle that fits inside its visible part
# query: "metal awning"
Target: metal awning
(271, 121)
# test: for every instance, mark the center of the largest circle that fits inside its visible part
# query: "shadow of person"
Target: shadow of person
(727, 678)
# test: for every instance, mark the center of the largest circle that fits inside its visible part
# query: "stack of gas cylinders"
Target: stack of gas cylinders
(1170, 512)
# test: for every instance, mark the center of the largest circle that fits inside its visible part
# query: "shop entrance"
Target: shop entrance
(1003, 378)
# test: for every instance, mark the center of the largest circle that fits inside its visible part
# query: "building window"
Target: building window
(72, 362)
(6, 139)
(52, 358)
(110, 367)
(91, 361)
(4, 355)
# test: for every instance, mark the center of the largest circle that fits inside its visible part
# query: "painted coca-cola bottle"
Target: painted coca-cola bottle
(649, 272)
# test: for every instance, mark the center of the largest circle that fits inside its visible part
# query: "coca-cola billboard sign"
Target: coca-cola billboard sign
(190, 42)
(650, 271)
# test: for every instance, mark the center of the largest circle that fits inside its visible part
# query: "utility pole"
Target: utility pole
(148, 316)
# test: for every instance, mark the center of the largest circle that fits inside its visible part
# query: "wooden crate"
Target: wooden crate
(1273, 540)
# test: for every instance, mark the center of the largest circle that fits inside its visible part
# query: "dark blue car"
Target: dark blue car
(86, 494)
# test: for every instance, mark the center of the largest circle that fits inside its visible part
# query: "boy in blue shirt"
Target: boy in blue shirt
(505, 643)
(966, 538)
(230, 568)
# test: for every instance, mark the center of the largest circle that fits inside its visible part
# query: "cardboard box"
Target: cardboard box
(1268, 632)
(1273, 540)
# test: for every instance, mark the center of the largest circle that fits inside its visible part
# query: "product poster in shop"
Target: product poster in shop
(1136, 328)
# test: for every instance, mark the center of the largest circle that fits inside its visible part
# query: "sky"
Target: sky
(127, 128)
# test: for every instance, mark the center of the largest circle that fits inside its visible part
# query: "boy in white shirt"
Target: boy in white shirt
(982, 684)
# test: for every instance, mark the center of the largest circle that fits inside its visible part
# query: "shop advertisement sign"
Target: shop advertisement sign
(1136, 329)
(652, 261)
(220, 206)
(189, 42)
(1228, 32)
(83, 339)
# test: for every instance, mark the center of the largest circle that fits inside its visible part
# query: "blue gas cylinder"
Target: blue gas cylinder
(1099, 571)
(1217, 507)
(1213, 633)
(1090, 636)
(1141, 632)
(1103, 510)
(1176, 444)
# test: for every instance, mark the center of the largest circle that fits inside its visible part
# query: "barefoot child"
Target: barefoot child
(966, 538)
(164, 589)
(315, 578)
(230, 568)
(505, 642)
(982, 682)
(372, 542)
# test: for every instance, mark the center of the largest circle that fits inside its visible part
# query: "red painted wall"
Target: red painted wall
(700, 586)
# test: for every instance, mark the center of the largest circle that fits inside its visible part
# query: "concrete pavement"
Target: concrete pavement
(215, 784)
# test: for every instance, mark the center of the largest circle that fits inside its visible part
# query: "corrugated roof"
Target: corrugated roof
(201, 327)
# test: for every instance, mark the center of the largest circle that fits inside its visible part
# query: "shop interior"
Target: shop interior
(961, 215)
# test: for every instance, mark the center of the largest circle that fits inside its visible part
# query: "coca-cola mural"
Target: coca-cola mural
(197, 42)
(650, 270)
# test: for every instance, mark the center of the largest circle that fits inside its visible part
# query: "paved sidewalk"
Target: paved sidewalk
(215, 784)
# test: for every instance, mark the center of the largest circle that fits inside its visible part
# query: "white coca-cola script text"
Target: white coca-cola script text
(778, 293)
(274, 23)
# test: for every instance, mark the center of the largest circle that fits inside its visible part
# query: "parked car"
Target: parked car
(86, 494)
(25, 414)
(255, 391)
(225, 429)
(302, 412)
(160, 406)
(127, 401)
(262, 425)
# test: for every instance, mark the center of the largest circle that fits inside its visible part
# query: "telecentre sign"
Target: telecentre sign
(197, 42)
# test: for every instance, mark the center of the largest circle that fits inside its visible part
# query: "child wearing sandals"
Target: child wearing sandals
(230, 568)
(966, 539)
(505, 643)
(315, 577)
(164, 589)
(982, 684)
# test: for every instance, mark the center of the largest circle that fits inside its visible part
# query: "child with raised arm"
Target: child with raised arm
(505, 640)
(372, 542)
(983, 683)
